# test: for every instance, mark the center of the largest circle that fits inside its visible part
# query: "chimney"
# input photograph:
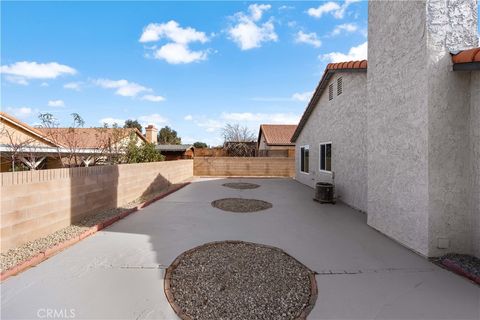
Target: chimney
(151, 133)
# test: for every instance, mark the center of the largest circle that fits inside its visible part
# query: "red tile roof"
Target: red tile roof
(348, 66)
(277, 134)
(467, 56)
(89, 137)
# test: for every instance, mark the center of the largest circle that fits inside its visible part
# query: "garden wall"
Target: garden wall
(37, 203)
(232, 166)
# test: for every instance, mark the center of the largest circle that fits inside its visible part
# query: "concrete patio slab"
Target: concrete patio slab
(118, 273)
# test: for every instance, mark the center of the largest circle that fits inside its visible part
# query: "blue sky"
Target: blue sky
(194, 66)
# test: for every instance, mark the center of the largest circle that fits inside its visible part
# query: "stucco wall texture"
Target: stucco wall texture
(418, 125)
(342, 121)
(37, 203)
(410, 130)
(475, 159)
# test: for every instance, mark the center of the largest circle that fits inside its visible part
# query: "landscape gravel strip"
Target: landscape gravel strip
(466, 265)
(239, 280)
(15, 256)
(241, 205)
(240, 185)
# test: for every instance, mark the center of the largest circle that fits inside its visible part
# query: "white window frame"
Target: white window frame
(306, 147)
(320, 156)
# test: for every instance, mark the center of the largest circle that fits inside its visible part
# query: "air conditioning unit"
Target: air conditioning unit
(324, 192)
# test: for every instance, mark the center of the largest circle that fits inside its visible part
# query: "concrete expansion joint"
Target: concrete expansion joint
(369, 271)
(150, 267)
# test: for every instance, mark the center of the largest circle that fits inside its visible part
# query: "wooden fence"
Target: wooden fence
(231, 166)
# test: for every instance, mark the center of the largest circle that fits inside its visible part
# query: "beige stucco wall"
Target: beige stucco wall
(418, 124)
(233, 166)
(474, 168)
(37, 203)
(342, 121)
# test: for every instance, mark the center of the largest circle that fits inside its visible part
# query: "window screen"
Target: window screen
(326, 156)
(304, 159)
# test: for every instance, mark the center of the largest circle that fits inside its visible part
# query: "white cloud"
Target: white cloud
(256, 10)
(21, 112)
(155, 119)
(322, 9)
(21, 72)
(177, 50)
(309, 38)
(123, 87)
(247, 33)
(347, 27)
(338, 11)
(176, 53)
(188, 117)
(286, 7)
(112, 121)
(172, 30)
(56, 103)
(17, 80)
(44, 84)
(283, 118)
(153, 98)
(302, 96)
(77, 86)
(355, 53)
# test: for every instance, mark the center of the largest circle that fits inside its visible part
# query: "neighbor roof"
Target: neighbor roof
(89, 137)
(34, 131)
(173, 147)
(466, 60)
(348, 66)
(277, 134)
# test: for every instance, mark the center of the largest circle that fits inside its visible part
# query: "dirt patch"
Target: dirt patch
(239, 280)
(241, 205)
(241, 185)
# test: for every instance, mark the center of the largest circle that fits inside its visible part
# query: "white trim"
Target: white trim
(320, 157)
(307, 147)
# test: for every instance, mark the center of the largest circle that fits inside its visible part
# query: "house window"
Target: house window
(326, 156)
(339, 86)
(304, 159)
(330, 92)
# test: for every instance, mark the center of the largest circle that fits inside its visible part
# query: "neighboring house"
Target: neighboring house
(274, 140)
(42, 148)
(176, 151)
(402, 139)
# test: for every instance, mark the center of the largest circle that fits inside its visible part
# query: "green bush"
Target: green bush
(146, 152)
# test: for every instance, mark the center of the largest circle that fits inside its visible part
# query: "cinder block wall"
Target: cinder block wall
(232, 166)
(37, 203)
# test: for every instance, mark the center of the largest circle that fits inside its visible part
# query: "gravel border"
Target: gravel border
(241, 205)
(222, 297)
(241, 185)
(30, 250)
(465, 265)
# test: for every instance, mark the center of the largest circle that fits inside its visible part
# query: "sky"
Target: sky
(194, 66)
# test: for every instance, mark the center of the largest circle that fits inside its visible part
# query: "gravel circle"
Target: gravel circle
(468, 264)
(241, 185)
(241, 205)
(239, 280)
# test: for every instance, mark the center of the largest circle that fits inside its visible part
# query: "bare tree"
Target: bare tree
(67, 138)
(238, 140)
(112, 143)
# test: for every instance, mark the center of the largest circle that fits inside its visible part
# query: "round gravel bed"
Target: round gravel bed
(241, 205)
(241, 185)
(239, 280)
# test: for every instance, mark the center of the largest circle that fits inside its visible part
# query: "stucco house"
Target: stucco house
(401, 137)
(47, 148)
(274, 140)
